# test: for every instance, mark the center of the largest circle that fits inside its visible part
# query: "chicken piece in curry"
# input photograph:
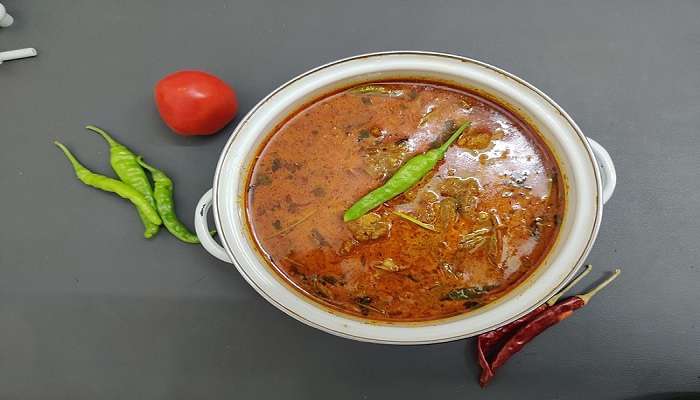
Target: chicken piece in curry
(471, 229)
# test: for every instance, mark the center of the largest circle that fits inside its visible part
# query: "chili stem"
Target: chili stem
(104, 134)
(586, 297)
(568, 287)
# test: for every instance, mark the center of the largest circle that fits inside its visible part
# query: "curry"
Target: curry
(473, 226)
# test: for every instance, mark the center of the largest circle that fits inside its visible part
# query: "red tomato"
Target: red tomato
(195, 102)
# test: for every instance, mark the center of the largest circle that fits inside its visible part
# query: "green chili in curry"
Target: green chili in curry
(408, 175)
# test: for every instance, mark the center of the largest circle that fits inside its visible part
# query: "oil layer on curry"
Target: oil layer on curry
(470, 230)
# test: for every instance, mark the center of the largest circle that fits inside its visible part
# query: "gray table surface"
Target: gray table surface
(90, 310)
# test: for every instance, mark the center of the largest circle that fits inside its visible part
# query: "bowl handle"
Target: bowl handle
(607, 169)
(202, 228)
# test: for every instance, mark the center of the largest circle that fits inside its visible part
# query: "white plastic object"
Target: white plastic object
(17, 54)
(202, 228)
(5, 18)
(607, 169)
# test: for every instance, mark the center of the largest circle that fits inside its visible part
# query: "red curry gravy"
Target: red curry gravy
(469, 231)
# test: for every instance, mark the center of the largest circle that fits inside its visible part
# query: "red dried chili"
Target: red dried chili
(486, 342)
(534, 326)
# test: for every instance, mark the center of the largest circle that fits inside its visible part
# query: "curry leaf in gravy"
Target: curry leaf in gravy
(469, 305)
(329, 279)
(467, 293)
(365, 304)
(318, 237)
(364, 134)
(318, 192)
(276, 164)
(319, 288)
(376, 89)
(263, 180)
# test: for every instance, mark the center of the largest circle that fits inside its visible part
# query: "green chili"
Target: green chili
(163, 193)
(123, 162)
(111, 185)
(408, 175)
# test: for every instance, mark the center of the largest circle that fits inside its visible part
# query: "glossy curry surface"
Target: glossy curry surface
(469, 231)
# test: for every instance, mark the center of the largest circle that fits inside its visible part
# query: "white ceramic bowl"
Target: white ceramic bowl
(586, 168)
